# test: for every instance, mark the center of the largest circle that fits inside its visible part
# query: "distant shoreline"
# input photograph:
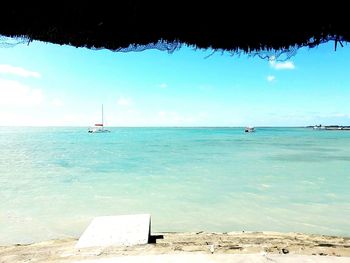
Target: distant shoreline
(330, 127)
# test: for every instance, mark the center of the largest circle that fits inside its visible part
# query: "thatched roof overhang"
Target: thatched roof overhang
(246, 27)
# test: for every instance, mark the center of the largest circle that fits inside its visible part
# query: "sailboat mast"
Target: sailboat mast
(102, 115)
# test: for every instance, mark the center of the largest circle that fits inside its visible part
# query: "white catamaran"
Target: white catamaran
(98, 128)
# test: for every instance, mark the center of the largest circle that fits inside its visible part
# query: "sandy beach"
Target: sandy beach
(193, 247)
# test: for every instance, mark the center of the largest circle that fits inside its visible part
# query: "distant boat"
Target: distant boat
(98, 128)
(249, 129)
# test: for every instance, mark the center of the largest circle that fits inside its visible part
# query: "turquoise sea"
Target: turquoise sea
(53, 181)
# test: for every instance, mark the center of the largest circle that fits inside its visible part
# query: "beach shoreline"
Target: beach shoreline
(196, 243)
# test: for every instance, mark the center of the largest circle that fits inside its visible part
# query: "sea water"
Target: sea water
(54, 181)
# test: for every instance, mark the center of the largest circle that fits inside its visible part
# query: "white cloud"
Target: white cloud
(123, 101)
(14, 93)
(270, 78)
(281, 65)
(172, 118)
(57, 102)
(163, 85)
(334, 115)
(161, 113)
(8, 69)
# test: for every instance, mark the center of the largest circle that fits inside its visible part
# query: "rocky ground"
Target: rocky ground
(277, 245)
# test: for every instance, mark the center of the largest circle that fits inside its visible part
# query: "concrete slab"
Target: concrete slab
(121, 230)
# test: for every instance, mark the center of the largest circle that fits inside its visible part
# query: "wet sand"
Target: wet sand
(189, 247)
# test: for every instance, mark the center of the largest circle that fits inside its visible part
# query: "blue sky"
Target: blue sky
(43, 84)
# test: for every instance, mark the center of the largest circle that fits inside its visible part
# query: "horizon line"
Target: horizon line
(81, 126)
